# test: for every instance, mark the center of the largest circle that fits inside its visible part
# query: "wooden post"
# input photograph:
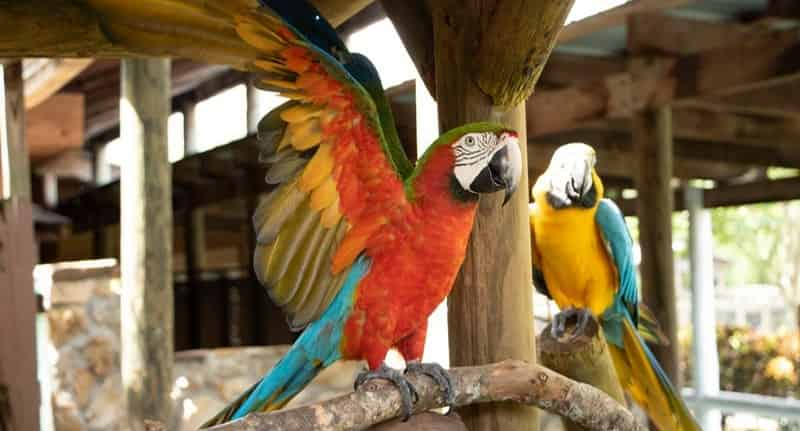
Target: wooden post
(190, 138)
(253, 108)
(704, 325)
(652, 141)
(585, 359)
(146, 229)
(490, 311)
(18, 380)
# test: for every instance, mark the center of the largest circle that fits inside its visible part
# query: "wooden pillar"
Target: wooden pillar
(18, 380)
(190, 138)
(704, 323)
(488, 56)
(652, 141)
(253, 108)
(146, 229)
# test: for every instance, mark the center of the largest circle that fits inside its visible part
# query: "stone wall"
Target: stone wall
(83, 316)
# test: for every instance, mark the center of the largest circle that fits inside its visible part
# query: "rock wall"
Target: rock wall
(83, 316)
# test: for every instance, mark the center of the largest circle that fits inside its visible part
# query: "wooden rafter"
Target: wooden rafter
(44, 77)
(67, 28)
(615, 17)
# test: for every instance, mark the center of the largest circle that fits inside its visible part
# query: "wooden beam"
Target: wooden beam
(14, 158)
(55, 125)
(615, 156)
(17, 300)
(743, 65)
(493, 286)
(45, 77)
(508, 65)
(652, 139)
(662, 34)
(66, 28)
(728, 195)
(570, 69)
(146, 232)
(615, 17)
(413, 22)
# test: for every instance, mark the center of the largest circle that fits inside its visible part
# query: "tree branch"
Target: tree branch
(507, 381)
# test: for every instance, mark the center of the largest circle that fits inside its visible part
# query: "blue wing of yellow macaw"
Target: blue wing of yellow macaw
(637, 368)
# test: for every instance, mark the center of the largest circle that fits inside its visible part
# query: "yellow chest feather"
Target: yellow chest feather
(573, 258)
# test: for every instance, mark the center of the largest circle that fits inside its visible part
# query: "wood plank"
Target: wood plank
(743, 65)
(55, 126)
(493, 286)
(18, 314)
(15, 168)
(146, 232)
(661, 34)
(615, 17)
(652, 139)
(64, 28)
(17, 258)
(570, 69)
(49, 76)
(614, 160)
(727, 195)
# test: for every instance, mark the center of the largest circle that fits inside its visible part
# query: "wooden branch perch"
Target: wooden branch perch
(585, 358)
(507, 381)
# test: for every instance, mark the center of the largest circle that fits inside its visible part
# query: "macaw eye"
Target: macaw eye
(469, 141)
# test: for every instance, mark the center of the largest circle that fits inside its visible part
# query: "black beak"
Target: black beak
(502, 173)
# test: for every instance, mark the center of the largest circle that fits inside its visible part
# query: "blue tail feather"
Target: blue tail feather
(316, 348)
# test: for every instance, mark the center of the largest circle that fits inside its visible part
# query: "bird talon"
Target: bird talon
(439, 375)
(408, 393)
(582, 317)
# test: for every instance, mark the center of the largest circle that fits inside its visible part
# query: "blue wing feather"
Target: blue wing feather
(619, 243)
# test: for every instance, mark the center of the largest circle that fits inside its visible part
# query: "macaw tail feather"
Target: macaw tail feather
(315, 349)
(289, 376)
(649, 328)
(648, 384)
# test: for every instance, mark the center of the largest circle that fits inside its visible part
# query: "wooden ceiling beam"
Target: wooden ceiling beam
(762, 191)
(684, 148)
(614, 160)
(661, 34)
(45, 77)
(743, 65)
(68, 28)
(615, 17)
(723, 127)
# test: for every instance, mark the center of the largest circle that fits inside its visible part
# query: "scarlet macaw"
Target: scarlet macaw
(356, 244)
(582, 257)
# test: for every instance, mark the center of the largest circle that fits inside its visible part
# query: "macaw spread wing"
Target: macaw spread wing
(336, 182)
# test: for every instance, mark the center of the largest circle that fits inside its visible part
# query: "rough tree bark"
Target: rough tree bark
(509, 381)
(146, 239)
(585, 359)
(480, 77)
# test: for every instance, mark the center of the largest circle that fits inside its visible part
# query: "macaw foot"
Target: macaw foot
(560, 320)
(407, 392)
(440, 375)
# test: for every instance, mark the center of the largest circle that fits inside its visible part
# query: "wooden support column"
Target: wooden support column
(19, 387)
(705, 357)
(652, 143)
(190, 138)
(488, 56)
(146, 229)
(253, 108)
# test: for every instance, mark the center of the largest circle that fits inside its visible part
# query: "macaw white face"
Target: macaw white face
(487, 162)
(570, 176)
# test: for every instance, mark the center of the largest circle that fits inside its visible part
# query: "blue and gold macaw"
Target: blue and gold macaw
(582, 259)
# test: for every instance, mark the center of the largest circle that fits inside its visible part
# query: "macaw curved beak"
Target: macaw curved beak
(572, 184)
(503, 170)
